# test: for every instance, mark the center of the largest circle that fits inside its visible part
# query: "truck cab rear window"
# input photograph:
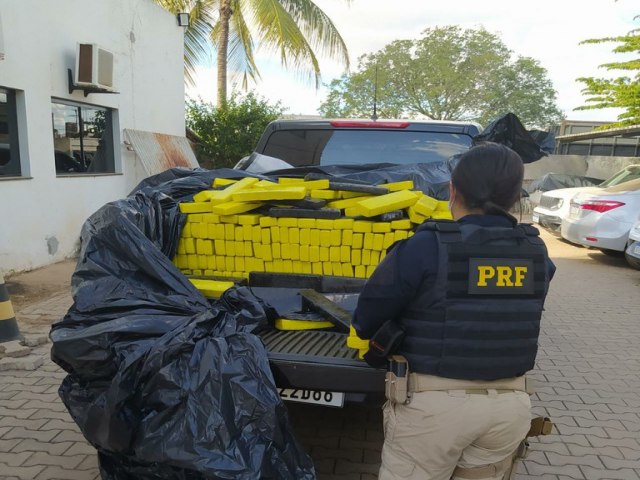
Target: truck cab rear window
(342, 147)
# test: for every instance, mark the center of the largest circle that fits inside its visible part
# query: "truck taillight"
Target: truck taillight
(367, 124)
(600, 206)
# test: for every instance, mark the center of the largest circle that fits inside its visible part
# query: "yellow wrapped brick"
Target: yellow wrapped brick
(358, 241)
(194, 218)
(381, 227)
(347, 203)
(384, 203)
(287, 324)
(347, 237)
(195, 207)
(347, 270)
(415, 217)
(250, 219)
(397, 186)
(360, 271)
(268, 222)
(211, 288)
(307, 223)
(314, 254)
(222, 196)
(290, 180)
(294, 235)
(325, 194)
(281, 193)
(425, 206)
(222, 182)
(356, 257)
(275, 234)
(238, 234)
(229, 231)
(287, 222)
(324, 254)
(378, 241)
(404, 224)
(323, 224)
(284, 234)
(443, 206)
(336, 268)
(442, 215)
(190, 245)
(229, 219)
(361, 226)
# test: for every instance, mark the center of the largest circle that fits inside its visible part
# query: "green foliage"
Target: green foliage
(448, 73)
(229, 133)
(620, 92)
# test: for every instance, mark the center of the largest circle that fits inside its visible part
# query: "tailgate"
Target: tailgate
(319, 360)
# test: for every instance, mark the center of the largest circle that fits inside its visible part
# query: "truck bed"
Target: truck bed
(320, 360)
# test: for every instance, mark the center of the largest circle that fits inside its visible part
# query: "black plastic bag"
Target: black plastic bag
(509, 131)
(554, 181)
(165, 384)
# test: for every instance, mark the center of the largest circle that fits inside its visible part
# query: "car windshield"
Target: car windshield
(342, 147)
(629, 173)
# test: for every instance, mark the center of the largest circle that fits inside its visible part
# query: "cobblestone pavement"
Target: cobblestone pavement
(587, 376)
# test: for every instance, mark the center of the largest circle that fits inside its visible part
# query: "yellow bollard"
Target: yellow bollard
(8, 324)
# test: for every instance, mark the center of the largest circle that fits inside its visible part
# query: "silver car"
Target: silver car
(603, 219)
(633, 248)
(555, 204)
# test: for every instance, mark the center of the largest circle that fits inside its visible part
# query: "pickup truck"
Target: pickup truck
(315, 366)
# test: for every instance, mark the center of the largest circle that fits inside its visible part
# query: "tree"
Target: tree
(298, 30)
(448, 73)
(620, 92)
(232, 131)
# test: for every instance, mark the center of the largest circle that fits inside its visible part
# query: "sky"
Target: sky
(547, 30)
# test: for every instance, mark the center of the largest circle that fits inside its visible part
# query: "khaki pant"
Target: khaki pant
(438, 431)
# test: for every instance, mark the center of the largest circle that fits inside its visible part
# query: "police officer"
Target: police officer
(468, 295)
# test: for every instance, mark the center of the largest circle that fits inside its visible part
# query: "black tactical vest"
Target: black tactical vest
(481, 319)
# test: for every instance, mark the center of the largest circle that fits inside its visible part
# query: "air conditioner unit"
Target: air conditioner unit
(94, 66)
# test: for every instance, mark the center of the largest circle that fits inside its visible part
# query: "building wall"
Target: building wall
(41, 216)
(583, 165)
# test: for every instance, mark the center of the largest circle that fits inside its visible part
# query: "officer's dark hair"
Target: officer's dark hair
(489, 177)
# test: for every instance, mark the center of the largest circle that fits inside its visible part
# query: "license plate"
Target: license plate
(535, 218)
(316, 397)
(636, 249)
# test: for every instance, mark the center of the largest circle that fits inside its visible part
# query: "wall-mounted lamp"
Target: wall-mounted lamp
(183, 19)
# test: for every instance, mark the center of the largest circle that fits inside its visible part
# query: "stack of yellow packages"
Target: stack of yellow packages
(225, 237)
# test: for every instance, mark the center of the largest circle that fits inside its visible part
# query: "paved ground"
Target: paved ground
(588, 382)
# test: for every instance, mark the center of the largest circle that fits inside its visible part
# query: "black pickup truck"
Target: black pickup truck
(315, 366)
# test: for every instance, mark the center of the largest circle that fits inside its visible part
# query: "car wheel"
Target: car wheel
(611, 253)
(633, 261)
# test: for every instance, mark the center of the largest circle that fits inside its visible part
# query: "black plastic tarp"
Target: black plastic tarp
(554, 181)
(165, 384)
(509, 131)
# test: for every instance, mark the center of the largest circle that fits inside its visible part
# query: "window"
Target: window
(9, 147)
(341, 147)
(82, 138)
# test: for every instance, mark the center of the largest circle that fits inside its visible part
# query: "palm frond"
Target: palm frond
(197, 47)
(279, 32)
(318, 29)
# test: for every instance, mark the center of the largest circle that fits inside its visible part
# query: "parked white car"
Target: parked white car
(555, 204)
(603, 219)
(633, 248)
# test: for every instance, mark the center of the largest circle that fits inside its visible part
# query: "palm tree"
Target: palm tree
(298, 30)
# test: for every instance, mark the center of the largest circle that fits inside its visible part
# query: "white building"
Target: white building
(63, 155)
